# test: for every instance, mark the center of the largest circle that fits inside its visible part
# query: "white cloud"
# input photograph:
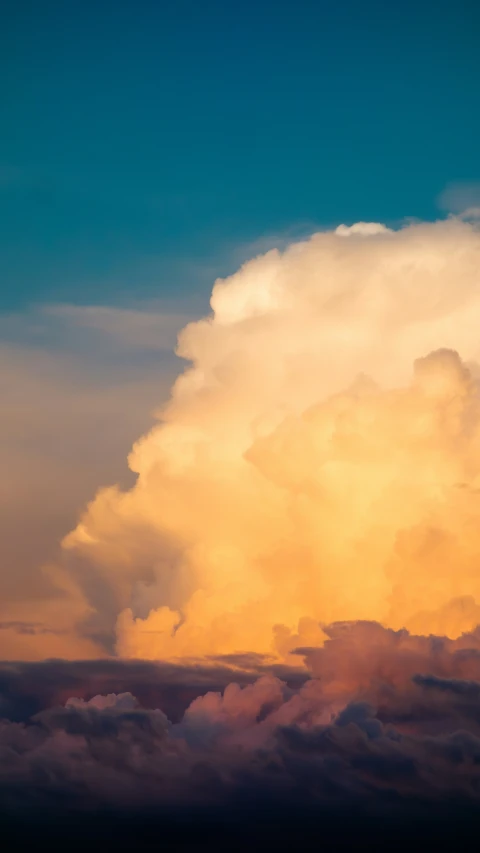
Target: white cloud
(362, 229)
(280, 491)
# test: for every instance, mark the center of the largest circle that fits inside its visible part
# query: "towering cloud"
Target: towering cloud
(318, 460)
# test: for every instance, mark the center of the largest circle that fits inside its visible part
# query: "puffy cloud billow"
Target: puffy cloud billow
(319, 460)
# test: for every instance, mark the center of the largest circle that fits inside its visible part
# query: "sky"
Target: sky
(239, 422)
(146, 145)
(148, 148)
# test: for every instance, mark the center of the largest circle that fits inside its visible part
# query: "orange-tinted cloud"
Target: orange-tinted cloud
(319, 460)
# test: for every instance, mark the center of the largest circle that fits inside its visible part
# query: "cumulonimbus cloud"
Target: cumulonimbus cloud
(319, 459)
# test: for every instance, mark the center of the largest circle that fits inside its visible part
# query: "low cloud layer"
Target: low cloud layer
(383, 727)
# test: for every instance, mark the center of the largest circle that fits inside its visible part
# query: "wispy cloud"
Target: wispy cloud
(147, 329)
(461, 199)
(78, 384)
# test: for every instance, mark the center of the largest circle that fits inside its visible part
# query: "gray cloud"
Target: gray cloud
(77, 387)
(461, 199)
(269, 753)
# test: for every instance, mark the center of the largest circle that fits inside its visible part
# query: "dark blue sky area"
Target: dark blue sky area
(144, 141)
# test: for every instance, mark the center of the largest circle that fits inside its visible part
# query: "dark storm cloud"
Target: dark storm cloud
(260, 750)
(26, 688)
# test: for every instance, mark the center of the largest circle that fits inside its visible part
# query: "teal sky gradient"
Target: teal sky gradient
(147, 144)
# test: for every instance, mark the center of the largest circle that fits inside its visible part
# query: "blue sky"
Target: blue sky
(146, 145)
